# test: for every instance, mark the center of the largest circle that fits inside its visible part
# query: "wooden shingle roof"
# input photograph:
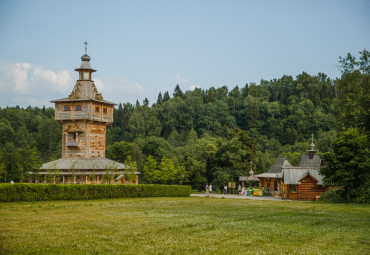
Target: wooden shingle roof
(97, 163)
(315, 162)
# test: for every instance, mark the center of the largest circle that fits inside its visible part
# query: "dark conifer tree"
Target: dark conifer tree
(245, 91)
(166, 97)
(160, 98)
(146, 102)
(178, 92)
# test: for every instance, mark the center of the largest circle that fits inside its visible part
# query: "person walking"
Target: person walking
(207, 189)
(210, 188)
(225, 190)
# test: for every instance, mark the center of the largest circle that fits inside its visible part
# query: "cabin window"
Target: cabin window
(67, 108)
(72, 136)
(78, 107)
(97, 109)
(294, 188)
(275, 186)
(268, 186)
(105, 110)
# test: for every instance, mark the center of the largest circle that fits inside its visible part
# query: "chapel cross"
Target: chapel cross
(85, 46)
(312, 144)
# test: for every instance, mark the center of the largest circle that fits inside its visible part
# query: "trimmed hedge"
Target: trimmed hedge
(47, 192)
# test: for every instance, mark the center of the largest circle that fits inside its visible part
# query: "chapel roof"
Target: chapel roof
(276, 169)
(295, 174)
(278, 165)
(306, 161)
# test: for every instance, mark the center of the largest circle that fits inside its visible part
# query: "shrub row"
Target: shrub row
(47, 192)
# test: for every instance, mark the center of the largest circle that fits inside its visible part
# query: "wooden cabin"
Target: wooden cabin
(272, 179)
(301, 184)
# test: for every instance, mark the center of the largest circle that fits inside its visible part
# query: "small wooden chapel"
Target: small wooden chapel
(84, 115)
(296, 183)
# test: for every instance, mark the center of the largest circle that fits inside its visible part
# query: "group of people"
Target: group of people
(208, 189)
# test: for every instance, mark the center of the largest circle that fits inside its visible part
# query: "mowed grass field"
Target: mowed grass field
(183, 226)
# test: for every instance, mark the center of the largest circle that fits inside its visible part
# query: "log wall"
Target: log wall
(309, 191)
(90, 139)
(87, 112)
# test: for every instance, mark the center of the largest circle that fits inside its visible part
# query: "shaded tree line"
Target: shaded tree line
(347, 162)
(28, 138)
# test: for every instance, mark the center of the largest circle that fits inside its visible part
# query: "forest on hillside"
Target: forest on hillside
(206, 136)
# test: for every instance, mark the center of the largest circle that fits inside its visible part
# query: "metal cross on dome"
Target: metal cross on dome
(85, 46)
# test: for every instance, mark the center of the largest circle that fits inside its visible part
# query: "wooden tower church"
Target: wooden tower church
(84, 115)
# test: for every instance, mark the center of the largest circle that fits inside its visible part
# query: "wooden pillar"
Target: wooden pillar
(97, 179)
(86, 179)
(74, 180)
(63, 179)
(137, 179)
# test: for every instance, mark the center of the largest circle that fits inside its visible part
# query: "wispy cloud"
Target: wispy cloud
(192, 87)
(123, 86)
(119, 90)
(26, 84)
(181, 80)
(99, 84)
(184, 82)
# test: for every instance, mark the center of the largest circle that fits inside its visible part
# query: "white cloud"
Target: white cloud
(56, 81)
(181, 80)
(17, 77)
(192, 87)
(184, 82)
(26, 84)
(99, 85)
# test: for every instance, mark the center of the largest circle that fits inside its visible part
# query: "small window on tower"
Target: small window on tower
(97, 109)
(72, 136)
(78, 107)
(67, 107)
(105, 110)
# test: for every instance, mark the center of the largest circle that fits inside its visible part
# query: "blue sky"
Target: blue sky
(143, 47)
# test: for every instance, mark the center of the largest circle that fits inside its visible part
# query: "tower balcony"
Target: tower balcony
(72, 144)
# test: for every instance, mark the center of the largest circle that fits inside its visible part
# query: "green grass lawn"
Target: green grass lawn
(184, 226)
